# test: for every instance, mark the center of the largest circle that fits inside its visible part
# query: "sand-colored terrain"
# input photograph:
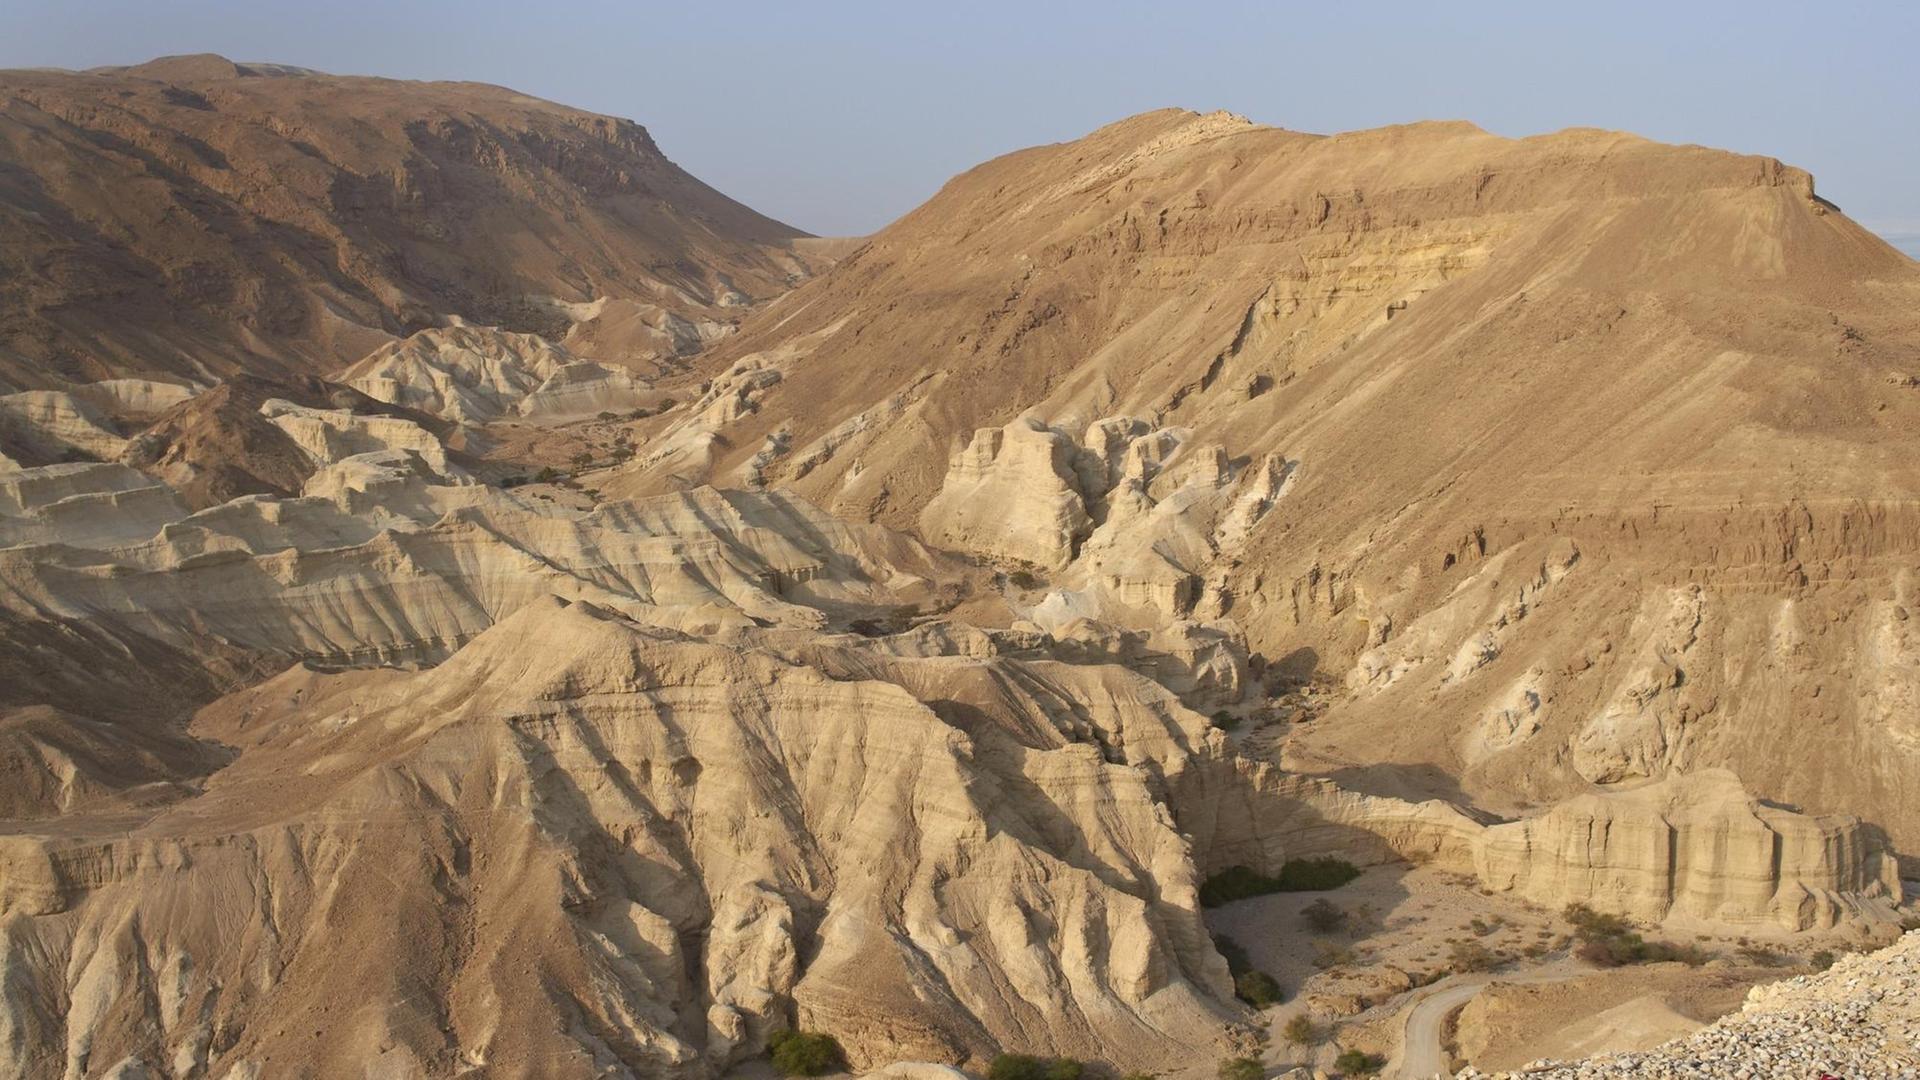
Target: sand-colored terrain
(475, 601)
(196, 218)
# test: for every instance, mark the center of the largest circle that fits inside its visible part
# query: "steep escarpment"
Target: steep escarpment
(1595, 455)
(194, 218)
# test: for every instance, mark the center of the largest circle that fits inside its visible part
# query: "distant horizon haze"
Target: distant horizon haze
(837, 120)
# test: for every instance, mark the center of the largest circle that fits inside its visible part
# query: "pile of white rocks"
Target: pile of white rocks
(1859, 1020)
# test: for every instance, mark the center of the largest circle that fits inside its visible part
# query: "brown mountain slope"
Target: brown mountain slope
(1563, 461)
(197, 217)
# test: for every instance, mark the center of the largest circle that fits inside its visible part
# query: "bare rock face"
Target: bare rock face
(476, 375)
(317, 748)
(83, 505)
(585, 838)
(1012, 493)
(1693, 849)
(52, 426)
(1433, 362)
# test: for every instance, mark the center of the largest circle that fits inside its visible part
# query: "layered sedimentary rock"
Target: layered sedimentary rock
(477, 374)
(50, 426)
(1011, 493)
(1457, 469)
(83, 505)
(583, 842)
(1693, 849)
(1432, 361)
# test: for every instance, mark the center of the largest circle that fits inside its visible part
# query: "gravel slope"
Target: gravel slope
(1860, 1020)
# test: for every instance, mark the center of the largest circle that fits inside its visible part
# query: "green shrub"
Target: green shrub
(1316, 875)
(1591, 925)
(1238, 962)
(1324, 917)
(1821, 960)
(1630, 948)
(1225, 720)
(1610, 941)
(1064, 1069)
(1241, 1068)
(1358, 1063)
(1296, 875)
(1326, 955)
(1472, 956)
(1028, 1067)
(1234, 883)
(1301, 1031)
(803, 1053)
(1258, 989)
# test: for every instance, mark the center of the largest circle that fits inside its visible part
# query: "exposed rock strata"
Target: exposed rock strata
(1695, 849)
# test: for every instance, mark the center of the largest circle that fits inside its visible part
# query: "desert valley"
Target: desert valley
(1198, 600)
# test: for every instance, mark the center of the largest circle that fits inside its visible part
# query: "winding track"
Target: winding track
(1421, 1056)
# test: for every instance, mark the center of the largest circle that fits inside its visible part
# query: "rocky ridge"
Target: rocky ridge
(1446, 419)
(897, 707)
(196, 218)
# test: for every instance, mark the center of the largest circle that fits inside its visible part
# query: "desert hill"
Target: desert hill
(467, 654)
(1564, 461)
(193, 217)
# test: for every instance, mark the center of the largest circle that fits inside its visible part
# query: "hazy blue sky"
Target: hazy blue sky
(838, 117)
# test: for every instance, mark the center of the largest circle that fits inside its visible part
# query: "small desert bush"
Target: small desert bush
(1324, 917)
(1233, 953)
(1027, 1067)
(1589, 924)
(1467, 955)
(1610, 941)
(1316, 875)
(1326, 955)
(1296, 875)
(803, 1053)
(1358, 1063)
(1630, 948)
(1301, 1031)
(1258, 989)
(1241, 1068)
